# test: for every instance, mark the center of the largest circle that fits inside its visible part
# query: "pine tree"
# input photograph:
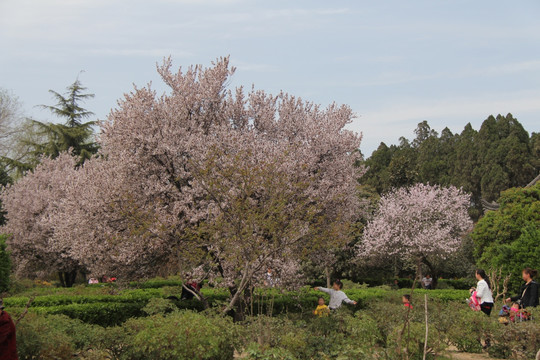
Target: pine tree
(51, 139)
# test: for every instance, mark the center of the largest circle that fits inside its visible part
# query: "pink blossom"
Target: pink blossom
(419, 221)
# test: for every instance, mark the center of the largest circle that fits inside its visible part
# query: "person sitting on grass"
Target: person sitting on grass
(406, 299)
(322, 309)
(337, 297)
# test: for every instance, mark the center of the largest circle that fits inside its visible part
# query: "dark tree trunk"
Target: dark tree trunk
(67, 279)
(61, 278)
(239, 307)
(328, 279)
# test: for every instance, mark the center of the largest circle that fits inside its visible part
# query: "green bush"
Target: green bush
(129, 296)
(155, 283)
(469, 329)
(310, 337)
(520, 340)
(53, 337)
(180, 335)
(103, 314)
(257, 352)
(157, 330)
(158, 306)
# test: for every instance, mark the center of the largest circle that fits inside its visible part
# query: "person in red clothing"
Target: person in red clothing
(8, 343)
(406, 299)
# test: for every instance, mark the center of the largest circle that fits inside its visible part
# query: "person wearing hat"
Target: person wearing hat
(8, 342)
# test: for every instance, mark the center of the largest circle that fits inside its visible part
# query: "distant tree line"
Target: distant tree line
(499, 156)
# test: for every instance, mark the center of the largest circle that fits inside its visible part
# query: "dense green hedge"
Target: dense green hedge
(128, 296)
(155, 283)
(180, 335)
(370, 334)
(107, 310)
(458, 284)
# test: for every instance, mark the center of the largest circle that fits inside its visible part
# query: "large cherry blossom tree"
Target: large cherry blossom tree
(417, 223)
(211, 178)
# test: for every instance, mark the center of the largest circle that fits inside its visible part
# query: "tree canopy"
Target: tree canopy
(508, 238)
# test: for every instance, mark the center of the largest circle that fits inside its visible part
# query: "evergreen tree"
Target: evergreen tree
(435, 155)
(535, 151)
(505, 156)
(377, 175)
(50, 139)
(402, 167)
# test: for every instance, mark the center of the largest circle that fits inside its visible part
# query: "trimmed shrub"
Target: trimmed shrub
(155, 283)
(53, 337)
(468, 330)
(129, 296)
(158, 306)
(180, 335)
(520, 340)
(103, 314)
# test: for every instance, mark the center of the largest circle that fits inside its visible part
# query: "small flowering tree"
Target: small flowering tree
(417, 223)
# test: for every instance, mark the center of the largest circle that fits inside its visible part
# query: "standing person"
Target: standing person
(322, 309)
(483, 292)
(427, 282)
(269, 278)
(528, 293)
(8, 342)
(337, 297)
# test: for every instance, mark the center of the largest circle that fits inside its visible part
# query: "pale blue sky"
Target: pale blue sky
(396, 63)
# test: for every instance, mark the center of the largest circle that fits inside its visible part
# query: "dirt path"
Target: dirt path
(467, 356)
(456, 355)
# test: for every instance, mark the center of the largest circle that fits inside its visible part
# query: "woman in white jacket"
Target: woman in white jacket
(483, 292)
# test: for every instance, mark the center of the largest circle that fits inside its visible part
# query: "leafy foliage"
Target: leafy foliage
(509, 238)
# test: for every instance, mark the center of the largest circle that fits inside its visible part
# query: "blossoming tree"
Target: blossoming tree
(203, 177)
(417, 223)
(29, 204)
